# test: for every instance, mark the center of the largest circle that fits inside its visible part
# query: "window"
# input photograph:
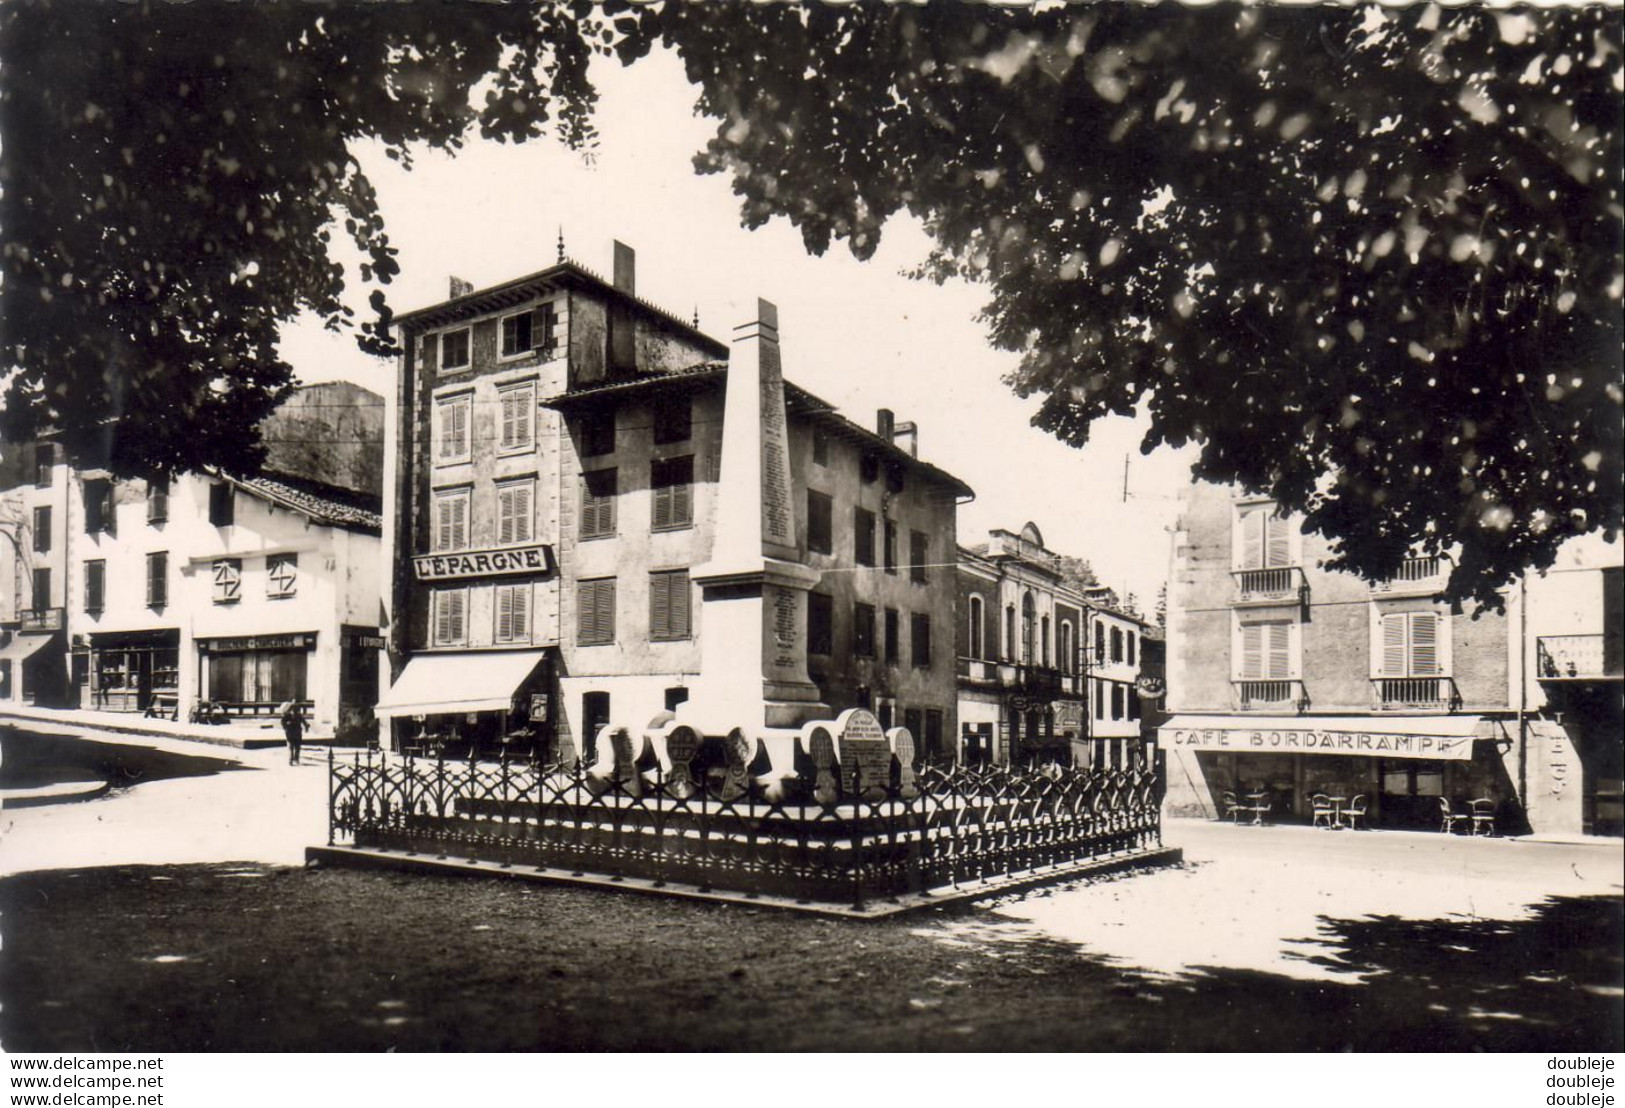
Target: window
(41, 598)
(820, 623)
(598, 434)
(157, 500)
(518, 407)
(920, 638)
(453, 442)
(1029, 612)
(1043, 639)
(820, 448)
(222, 504)
(863, 536)
(914, 723)
(516, 512)
(1133, 699)
(668, 605)
(98, 507)
(918, 547)
(512, 613)
(598, 503)
(973, 635)
(674, 420)
(281, 576)
(890, 551)
(42, 530)
(594, 717)
(157, 579)
(863, 630)
(820, 523)
(1128, 642)
(595, 612)
(454, 349)
(1100, 699)
(44, 464)
(868, 467)
(448, 616)
(228, 581)
(1266, 651)
(1265, 538)
(1117, 644)
(671, 490)
(1063, 649)
(933, 732)
(518, 335)
(1410, 645)
(677, 694)
(894, 649)
(1100, 643)
(450, 520)
(1009, 632)
(95, 585)
(1117, 701)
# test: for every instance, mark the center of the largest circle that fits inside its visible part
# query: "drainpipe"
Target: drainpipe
(1523, 694)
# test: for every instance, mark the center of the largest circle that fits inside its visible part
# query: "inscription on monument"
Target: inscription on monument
(785, 633)
(865, 756)
(776, 527)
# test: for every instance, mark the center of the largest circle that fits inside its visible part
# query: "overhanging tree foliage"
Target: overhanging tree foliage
(1368, 259)
(174, 175)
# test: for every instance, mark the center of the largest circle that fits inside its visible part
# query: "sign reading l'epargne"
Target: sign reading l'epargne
(508, 561)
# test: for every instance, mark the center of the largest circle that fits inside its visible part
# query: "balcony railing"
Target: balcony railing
(1577, 658)
(1039, 682)
(1274, 695)
(39, 619)
(1435, 693)
(1043, 683)
(1416, 575)
(1274, 585)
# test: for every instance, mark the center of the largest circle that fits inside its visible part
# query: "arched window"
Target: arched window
(973, 644)
(1043, 639)
(1028, 615)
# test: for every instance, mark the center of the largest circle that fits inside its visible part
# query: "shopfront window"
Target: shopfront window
(259, 676)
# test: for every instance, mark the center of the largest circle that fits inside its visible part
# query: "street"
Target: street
(172, 914)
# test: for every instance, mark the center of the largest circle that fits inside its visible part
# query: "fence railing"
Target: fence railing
(1270, 695)
(1576, 657)
(1283, 583)
(932, 829)
(1414, 692)
(1415, 574)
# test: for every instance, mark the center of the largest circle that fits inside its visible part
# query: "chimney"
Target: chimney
(623, 341)
(460, 287)
(626, 269)
(885, 422)
(907, 435)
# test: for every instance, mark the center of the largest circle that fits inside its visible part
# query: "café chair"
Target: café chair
(1482, 811)
(1354, 813)
(1234, 809)
(1261, 810)
(1449, 820)
(1322, 811)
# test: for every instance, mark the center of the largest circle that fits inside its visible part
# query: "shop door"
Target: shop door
(1410, 794)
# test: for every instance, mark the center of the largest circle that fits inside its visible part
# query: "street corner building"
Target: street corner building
(1048, 668)
(606, 516)
(205, 597)
(1300, 694)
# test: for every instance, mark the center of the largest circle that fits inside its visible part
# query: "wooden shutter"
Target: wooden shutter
(1278, 540)
(514, 513)
(505, 599)
(662, 498)
(1252, 651)
(659, 606)
(1393, 645)
(605, 618)
(1252, 538)
(510, 419)
(682, 497)
(1279, 660)
(1424, 660)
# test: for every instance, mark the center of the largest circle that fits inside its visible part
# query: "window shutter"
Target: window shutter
(521, 612)
(506, 515)
(1424, 644)
(1252, 662)
(660, 606)
(1393, 646)
(510, 420)
(459, 614)
(1252, 539)
(459, 522)
(662, 499)
(1279, 540)
(606, 610)
(1280, 651)
(523, 512)
(679, 606)
(682, 500)
(505, 606)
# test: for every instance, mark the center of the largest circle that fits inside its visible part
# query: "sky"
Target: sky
(859, 334)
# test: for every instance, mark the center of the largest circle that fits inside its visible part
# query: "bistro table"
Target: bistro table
(1258, 807)
(1337, 811)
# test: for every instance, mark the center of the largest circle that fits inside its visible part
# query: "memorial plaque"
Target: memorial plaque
(865, 755)
(625, 772)
(902, 744)
(736, 776)
(682, 744)
(821, 748)
(776, 522)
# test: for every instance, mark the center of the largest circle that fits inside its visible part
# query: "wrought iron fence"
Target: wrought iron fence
(934, 829)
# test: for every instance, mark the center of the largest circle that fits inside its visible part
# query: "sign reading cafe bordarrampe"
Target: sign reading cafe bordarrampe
(1387, 744)
(508, 561)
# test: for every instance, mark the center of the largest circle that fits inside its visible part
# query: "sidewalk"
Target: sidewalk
(66, 721)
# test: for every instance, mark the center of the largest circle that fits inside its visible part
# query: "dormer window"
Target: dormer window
(454, 349)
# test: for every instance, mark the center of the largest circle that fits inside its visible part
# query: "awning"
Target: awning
(1436, 738)
(438, 684)
(23, 647)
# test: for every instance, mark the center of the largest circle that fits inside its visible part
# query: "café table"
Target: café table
(1337, 810)
(1259, 806)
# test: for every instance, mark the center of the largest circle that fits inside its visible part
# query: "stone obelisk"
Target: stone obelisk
(753, 619)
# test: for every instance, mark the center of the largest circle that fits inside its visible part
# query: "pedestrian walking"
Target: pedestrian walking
(293, 728)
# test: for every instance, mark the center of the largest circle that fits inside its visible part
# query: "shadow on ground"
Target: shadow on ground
(29, 760)
(251, 958)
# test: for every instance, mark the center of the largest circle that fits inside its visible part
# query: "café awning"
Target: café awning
(23, 647)
(1435, 738)
(441, 684)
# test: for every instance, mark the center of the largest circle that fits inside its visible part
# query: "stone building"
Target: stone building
(238, 592)
(1286, 680)
(1047, 671)
(609, 514)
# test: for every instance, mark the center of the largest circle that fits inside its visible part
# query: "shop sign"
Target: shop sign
(538, 707)
(1150, 687)
(364, 640)
(508, 561)
(257, 642)
(1384, 744)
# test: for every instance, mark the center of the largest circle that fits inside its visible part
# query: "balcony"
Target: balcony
(1271, 696)
(1034, 683)
(1416, 577)
(1040, 682)
(1275, 585)
(1578, 658)
(1435, 694)
(39, 619)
